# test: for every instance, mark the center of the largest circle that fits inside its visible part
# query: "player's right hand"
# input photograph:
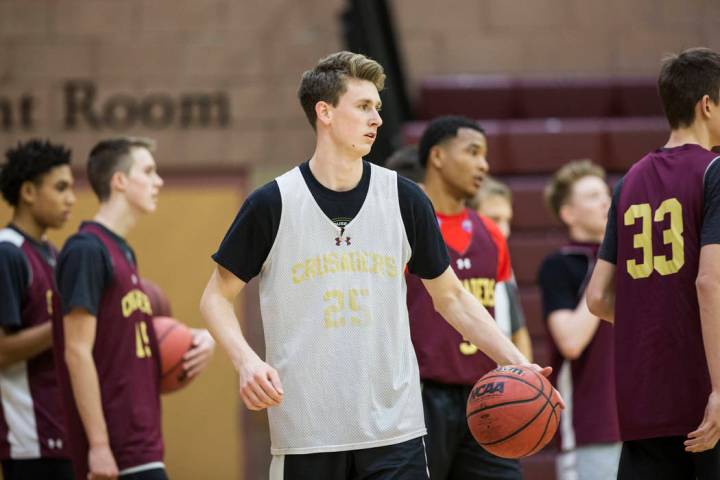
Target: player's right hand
(708, 433)
(260, 385)
(545, 371)
(101, 464)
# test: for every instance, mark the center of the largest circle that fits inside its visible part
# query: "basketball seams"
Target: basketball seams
(520, 429)
(165, 333)
(552, 414)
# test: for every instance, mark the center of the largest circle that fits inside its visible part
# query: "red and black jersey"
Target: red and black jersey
(479, 256)
(126, 358)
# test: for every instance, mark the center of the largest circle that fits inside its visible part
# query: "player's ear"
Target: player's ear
(436, 156)
(28, 192)
(323, 112)
(118, 181)
(706, 106)
(566, 214)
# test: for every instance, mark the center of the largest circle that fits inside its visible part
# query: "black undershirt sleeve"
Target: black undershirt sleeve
(608, 249)
(14, 280)
(429, 256)
(710, 232)
(84, 269)
(251, 235)
(557, 288)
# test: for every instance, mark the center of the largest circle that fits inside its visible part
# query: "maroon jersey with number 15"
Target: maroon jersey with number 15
(125, 355)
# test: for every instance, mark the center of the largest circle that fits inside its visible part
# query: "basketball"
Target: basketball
(174, 340)
(513, 412)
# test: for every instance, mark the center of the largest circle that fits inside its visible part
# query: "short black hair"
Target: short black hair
(441, 129)
(405, 162)
(110, 156)
(29, 161)
(684, 80)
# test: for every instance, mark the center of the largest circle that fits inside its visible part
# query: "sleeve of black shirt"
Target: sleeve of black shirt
(556, 286)
(710, 232)
(249, 239)
(608, 249)
(83, 270)
(429, 256)
(14, 280)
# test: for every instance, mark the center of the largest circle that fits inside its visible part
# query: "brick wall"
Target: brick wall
(550, 36)
(254, 53)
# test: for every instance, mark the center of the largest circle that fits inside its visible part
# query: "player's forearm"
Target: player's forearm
(25, 344)
(86, 391)
(465, 313)
(708, 290)
(573, 330)
(600, 292)
(219, 315)
(521, 339)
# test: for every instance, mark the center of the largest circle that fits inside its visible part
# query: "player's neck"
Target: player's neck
(335, 169)
(25, 222)
(582, 236)
(444, 198)
(116, 216)
(694, 134)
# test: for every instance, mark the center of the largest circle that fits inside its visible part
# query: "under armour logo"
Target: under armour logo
(463, 263)
(55, 443)
(340, 239)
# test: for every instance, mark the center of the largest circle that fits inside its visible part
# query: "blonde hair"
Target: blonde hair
(326, 82)
(559, 190)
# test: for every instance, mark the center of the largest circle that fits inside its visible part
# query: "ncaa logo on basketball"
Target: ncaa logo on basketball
(488, 388)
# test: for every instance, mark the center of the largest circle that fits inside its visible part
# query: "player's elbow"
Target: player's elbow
(707, 283)
(76, 353)
(570, 350)
(597, 302)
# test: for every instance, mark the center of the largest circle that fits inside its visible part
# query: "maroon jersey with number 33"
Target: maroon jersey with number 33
(661, 371)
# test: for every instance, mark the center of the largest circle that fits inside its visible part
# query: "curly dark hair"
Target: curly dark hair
(29, 161)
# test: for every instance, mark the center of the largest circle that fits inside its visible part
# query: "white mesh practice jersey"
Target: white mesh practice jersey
(336, 324)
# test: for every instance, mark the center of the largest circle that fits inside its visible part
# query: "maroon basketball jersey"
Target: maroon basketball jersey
(127, 362)
(31, 418)
(443, 354)
(661, 372)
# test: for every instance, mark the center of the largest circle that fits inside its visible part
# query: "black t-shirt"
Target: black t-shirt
(15, 278)
(562, 280)
(251, 235)
(710, 233)
(85, 268)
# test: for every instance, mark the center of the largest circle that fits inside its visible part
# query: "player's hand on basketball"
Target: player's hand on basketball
(101, 464)
(199, 355)
(708, 433)
(545, 371)
(260, 385)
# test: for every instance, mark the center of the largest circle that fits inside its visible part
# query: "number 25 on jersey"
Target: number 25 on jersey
(643, 241)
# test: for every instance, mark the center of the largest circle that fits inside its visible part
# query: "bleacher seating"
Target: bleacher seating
(534, 126)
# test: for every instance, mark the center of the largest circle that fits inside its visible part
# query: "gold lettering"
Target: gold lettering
(135, 300)
(298, 274)
(377, 261)
(391, 267)
(490, 293)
